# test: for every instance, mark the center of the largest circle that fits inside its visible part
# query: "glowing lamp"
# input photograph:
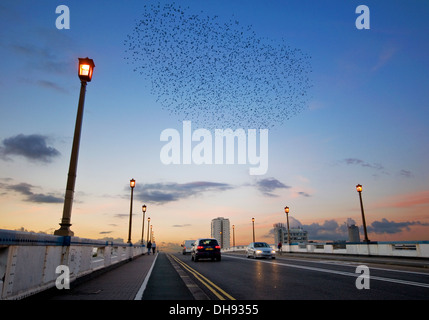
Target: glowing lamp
(359, 188)
(86, 68)
(132, 183)
(286, 209)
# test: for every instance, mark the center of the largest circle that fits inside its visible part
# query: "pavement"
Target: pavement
(126, 281)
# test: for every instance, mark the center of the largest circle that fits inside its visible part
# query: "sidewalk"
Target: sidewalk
(120, 283)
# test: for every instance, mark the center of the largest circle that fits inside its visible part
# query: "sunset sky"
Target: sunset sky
(343, 107)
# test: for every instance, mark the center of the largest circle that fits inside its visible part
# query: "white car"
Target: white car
(260, 250)
(187, 246)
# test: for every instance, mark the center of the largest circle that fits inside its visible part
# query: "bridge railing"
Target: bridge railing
(29, 261)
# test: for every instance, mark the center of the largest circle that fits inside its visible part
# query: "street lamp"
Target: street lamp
(233, 236)
(144, 211)
(132, 185)
(148, 224)
(287, 218)
(85, 71)
(253, 224)
(359, 190)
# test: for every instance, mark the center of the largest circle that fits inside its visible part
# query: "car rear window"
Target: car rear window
(208, 242)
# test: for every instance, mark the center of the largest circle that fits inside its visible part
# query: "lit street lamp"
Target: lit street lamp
(132, 185)
(287, 218)
(253, 224)
(144, 211)
(359, 190)
(85, 71)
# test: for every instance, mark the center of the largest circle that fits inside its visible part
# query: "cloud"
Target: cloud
(268, 185)
(359, 162)
(391, 227)
(405, 173)
(161, 193)
(32, 147)
(181, 225)
(304, 194)
(331, 230)
(26, 190)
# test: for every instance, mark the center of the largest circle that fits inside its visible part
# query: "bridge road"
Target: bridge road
(289, 278)
(176, 277)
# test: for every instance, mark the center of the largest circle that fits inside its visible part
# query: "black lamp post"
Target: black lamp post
(359, 190)
(144, 211)
(85, 71)
(253, 225)
(132, 185)
(287, 218)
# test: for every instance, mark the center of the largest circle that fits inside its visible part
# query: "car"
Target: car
(206, 248)
(260, 250)
(187, 246)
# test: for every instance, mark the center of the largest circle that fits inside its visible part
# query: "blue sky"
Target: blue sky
(364, 120)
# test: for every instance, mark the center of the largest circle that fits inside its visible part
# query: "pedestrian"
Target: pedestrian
(280, 247)
(149, 245)
(153, 247)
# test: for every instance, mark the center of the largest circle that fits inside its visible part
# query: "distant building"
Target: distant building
(296, 234)
(354, 235)
(220, 231)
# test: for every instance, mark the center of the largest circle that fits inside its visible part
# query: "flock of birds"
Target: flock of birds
(218, 74)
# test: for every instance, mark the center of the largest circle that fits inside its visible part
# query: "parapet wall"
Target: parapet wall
(29, 261)
(417, 249)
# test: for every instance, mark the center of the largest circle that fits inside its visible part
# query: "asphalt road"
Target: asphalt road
(287, 278)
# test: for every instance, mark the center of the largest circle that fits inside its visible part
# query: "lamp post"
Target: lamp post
(253, 225)
(85, 71)
(233, 236)
(132, 185)
(148, 224)
(287, 218)
(144, 211)
(359, 190)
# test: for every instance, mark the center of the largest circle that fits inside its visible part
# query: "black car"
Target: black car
(206, 248)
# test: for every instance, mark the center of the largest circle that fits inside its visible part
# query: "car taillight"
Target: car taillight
(217, 247)
(200, 247)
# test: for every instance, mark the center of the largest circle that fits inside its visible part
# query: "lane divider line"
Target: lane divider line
(218, 292)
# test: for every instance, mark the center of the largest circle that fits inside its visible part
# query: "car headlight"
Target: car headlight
(273, 252)
(258, 251)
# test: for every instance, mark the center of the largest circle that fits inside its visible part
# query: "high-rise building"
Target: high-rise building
(354, 235)
(220, 231)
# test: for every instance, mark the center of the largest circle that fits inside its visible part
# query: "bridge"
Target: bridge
(47, 267)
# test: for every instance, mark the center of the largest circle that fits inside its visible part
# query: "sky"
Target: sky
(340, 106)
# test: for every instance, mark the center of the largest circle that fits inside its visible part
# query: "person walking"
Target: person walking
(153, 247)
(149, 246)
